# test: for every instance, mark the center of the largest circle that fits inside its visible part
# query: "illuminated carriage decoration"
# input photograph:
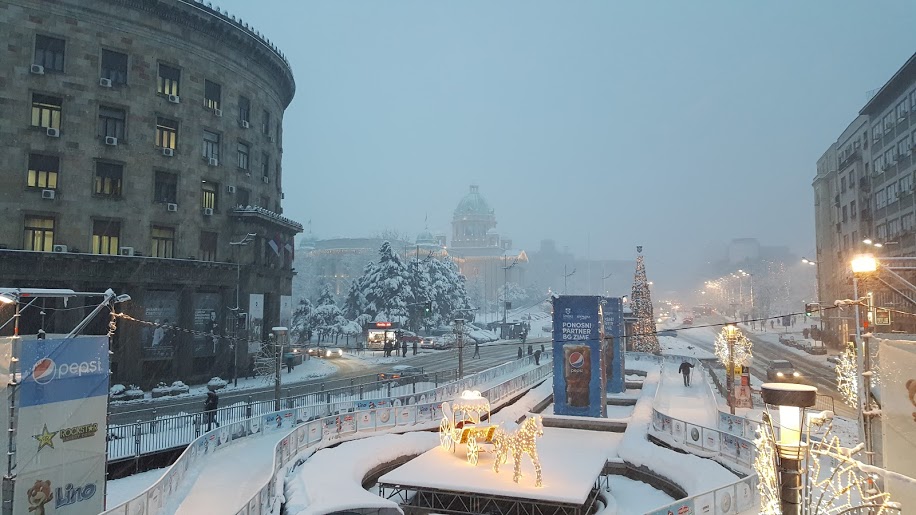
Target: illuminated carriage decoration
(461, 424)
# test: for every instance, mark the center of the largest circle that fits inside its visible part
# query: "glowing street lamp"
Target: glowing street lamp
(808, 261)
(791, 401)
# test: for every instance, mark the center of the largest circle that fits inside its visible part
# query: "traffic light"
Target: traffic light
(429, 307)
(811, 309)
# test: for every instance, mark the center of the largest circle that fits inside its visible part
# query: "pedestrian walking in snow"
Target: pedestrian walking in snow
(210, 406)
(530, 349)
(685, 369)
(251, 368)
(772, 324)
(415, 347)
(404, 349)
(519, 352)
(537, 357)
(476, 350)
(289, 364)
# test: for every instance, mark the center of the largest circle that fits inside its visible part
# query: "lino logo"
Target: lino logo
(576, 360)
(43, 371)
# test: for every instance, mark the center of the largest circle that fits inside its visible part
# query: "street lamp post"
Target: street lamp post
(863, 264)
(565, 277)
(791, 400)
(731, 335)
(235, 325)
(506, 268)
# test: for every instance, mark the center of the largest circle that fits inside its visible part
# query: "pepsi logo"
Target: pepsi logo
(43, 371)
(576, 360)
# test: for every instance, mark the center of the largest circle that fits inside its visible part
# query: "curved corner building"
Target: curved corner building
(141, 142)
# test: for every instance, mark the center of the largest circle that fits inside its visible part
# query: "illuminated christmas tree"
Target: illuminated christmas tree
(644, 338)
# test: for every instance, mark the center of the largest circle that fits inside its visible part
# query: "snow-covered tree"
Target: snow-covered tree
(301, 330)
(326, 317)
(644, 338)
(356, 303)
(422, 290)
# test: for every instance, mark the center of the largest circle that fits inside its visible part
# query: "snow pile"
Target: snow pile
(312, 490)
(694, 474)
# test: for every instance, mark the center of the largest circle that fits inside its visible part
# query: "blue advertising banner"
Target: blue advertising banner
(614, 355)
(66, 369)
(578, 379)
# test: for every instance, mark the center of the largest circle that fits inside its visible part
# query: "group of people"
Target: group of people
(531, 352)
(391, 347)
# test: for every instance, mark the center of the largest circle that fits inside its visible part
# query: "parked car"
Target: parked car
(444, 342)
(781, 370)
(404, 374)
(786, 339)
(667, 332)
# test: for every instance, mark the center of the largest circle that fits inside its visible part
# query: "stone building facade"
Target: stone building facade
(141, 141)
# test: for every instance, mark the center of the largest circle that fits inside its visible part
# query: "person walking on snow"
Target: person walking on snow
(476, 350)
(404, 349)
(210, 408)
(685, 370)
(415, 346)
(519, 352)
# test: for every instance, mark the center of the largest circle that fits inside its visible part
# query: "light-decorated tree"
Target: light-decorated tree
(644, 338)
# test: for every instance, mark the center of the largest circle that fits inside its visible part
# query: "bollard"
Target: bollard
(248, 408)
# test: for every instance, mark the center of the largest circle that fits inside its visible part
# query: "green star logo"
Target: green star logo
(46, 438)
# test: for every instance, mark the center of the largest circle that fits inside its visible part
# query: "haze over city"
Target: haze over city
(571, 115)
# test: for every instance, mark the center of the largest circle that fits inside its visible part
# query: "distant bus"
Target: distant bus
(702, 310)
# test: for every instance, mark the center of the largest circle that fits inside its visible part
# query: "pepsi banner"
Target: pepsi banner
(578, 350)
(614, 354)
(60, 437)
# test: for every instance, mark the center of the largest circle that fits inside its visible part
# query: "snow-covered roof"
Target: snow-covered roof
(473, 204)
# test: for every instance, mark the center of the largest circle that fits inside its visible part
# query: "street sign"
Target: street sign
(882, 316)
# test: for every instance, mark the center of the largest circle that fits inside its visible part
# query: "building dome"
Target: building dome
(473, 204)
(426, 238)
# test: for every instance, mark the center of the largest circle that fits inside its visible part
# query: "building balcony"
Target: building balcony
(854, 156)
(261, 215)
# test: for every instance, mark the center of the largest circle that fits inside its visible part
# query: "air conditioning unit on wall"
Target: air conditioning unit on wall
(126, 251)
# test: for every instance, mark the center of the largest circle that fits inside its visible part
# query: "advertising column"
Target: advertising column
(615, 351)
(578, 386)
(60, 439)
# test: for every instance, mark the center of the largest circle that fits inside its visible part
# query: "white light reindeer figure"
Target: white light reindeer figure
(523, 440)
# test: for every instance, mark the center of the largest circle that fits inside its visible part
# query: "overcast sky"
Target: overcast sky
(601, 124)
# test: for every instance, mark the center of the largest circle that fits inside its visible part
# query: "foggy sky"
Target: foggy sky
(603, 125)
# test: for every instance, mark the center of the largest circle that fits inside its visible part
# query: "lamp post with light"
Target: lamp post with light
(235, 324)
(731, 335)
(863, 264)
(791, 400)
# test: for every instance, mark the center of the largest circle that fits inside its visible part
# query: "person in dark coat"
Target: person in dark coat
(210, 406)
(251, 368)
(519, 352)
(289, 364)
(404, 349)
(685, 370)
(416, 345)
(530, 349)
(537, 357)
(476, 350)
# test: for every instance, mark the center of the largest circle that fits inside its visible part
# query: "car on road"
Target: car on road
(409, 337)
(688, 321)
(444, 342)
(428, 342)
(667, 332)
(332, 352)
(781, 370)
(314, 352)
(404, 374)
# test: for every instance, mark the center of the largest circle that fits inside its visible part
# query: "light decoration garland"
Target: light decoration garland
(767, 472)
(643, 338)
(743, 348)
(835, 482)
(522, 441)
(847, 376)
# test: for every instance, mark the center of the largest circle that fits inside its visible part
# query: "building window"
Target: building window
(49, 52)
(38, 233)
(208, 246)
(212, 94)
(108, 177)
(243, 197)
(855, 236)
(889, 122)
(902, 147)
(211, 145)
(852, 180)
(166, 133)
(912, 141)
(845, 241)
(244, 109)
(906, 222)
(880, 199)
(111, 122)
(114, 66)
(893, 227)
(901, 110)
(852, 210)
(266, 127)
(169, 78)
(166, 188)
(244, 151)
(905, 184)
(876, 133)
(881, 229)
(842, 184)
(878, 165)
(162, 241)
(43, 171)
(46, 111)
(264, 202)
(845, 212)
(208, 192)
(889, 157)
(892, 193)
(106, 236)
(265, 165)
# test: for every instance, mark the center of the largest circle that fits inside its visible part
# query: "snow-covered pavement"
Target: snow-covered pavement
(693, 403)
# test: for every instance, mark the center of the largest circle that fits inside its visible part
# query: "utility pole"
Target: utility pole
(238, 280)
(459, 338)
(506, 268)
(603, 289)
(565, 277)
(279, 337)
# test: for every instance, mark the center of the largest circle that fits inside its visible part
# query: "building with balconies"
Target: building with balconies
(142, 145)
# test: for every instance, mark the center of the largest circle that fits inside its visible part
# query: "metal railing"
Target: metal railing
(319, 432)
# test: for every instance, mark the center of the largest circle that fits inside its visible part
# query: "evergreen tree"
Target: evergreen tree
(421, 288)
(644, 338)
(356, 303)
(301, 329)
(387, 289)
(326, 317)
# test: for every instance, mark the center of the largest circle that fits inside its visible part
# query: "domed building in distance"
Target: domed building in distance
(486, 259)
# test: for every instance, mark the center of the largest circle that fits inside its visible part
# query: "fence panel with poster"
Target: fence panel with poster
(386, 415)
